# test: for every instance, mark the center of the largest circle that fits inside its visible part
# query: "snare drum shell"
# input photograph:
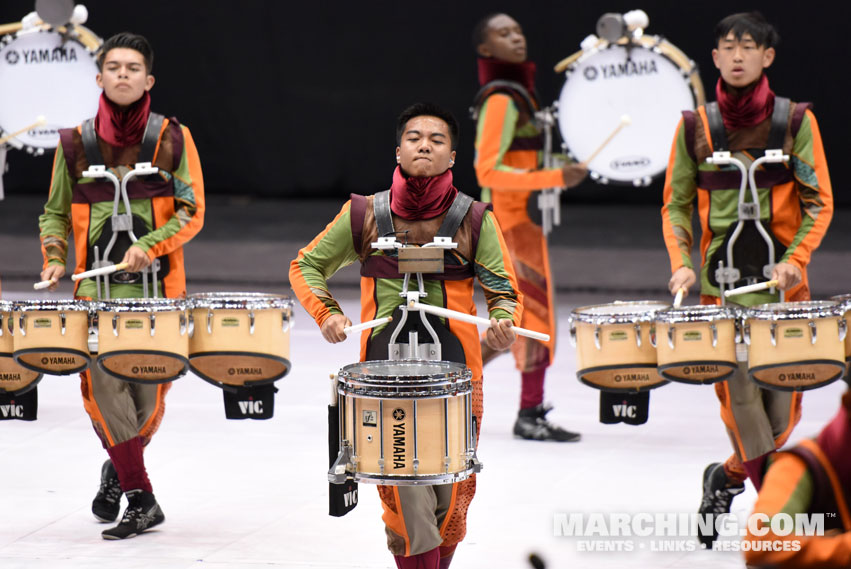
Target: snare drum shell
(230, 353)
(42, 346)
(693, 359)
(795, 363)
(134, 355)
(620, 363)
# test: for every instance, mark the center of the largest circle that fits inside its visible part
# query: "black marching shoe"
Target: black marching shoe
(718, 494)
(107, 503)
(532, 425)
(142, 514)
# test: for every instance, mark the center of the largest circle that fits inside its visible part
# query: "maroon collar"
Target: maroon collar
(122, 127)
(421, 198)
(747, 108)
(491, 69)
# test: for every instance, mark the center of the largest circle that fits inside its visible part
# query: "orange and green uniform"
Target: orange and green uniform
(796, 205)
(508, 167)
(481, 254)
(170, 203)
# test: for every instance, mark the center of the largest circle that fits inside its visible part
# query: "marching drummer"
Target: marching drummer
(424, 524)
(509, 168)
(167, 211)
(797, 205)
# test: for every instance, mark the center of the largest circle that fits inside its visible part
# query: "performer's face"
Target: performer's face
(504, 40)
(124, 77)
(426, 147)
(741, 61)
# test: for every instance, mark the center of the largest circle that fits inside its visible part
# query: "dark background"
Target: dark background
(299, 100)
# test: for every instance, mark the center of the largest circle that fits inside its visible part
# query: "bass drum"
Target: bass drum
(651, 81)
(49, 73)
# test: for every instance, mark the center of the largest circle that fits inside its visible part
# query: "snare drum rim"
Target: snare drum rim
(633, 317)
(238, 300)
(452, 369)
(843, 299)
(435, 385)
(48, 305)
(143, 305)
(697, 313)
(798, 310)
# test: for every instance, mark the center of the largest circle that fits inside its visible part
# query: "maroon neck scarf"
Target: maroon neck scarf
(835, 441)
(491, 69)
(747, 108)
(421, 198)
(122, 127)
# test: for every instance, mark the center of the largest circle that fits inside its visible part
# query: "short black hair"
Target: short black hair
(431, 110)
(130, 41)
(753, 23)
(480, 30)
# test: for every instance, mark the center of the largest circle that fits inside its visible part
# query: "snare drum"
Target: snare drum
(240, 338)
(51, 336)
(795, 346)
(143, 340)
(615, 345)
(32, 64)
(845, 301)
(406, 423)
(697, 344)
(651, 81)
(14, 379)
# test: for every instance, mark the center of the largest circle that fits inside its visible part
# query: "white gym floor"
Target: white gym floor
(251, 494)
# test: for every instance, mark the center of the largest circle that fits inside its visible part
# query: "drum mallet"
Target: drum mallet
(39, 121)
(678, 299)
(367, 325)
(438, 311)
(41, 285)
(625, 121)
(108, 270)
(750, 288)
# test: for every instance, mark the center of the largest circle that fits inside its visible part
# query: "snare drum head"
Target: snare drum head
(644, 83)
(238, 300)
(403, 370)
(619, 311)
(33, 64)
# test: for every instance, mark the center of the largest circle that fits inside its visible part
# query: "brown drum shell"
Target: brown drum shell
(620, 364)
(693, 359)
(44, 348)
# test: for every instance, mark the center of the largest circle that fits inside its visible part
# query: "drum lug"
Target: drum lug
(843, 328)
(285, 320)
(737, 327)
(572, 327)
(10, 322)
(597, 338)
(209, 321)
(813, 336)
(62, 323)
(746, 333)
(22, 323)
(251, 322)
(337, 474)
(381, 466)
(153, 318)
(182, 323)
(714, 329)
(115, 325)
(638, 335)
(1, 325)
(191, 325)
(773, 331)
(671, 332)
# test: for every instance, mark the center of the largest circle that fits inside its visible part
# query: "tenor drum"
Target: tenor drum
(14, 378)
(650, 80)
(697, 344)
(143, 340)
(406, 423)
(33, 65)
(845, 301)
(240, 338)
(51, 336)
(795, 346)
(615, 345)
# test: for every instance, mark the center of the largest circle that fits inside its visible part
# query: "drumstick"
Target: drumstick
(438, 311)
(39, 121)
(11, 28)
(750, 288)
(43, 284)
(101, 271)
(678, 300)
(625, 121)
(366, 325)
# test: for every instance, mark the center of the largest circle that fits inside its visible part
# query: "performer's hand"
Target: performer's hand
(682, 278)
(136, 258)
(786, 275)
(500, 335)
(53, 273)
(332, 328)
(573, 174)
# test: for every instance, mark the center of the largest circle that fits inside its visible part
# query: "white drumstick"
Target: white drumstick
(625, 121)
(39, 121)
(367, 325)
(678, 299)
(446, 313)
(41, 285)
(101, 271)
(750, 288)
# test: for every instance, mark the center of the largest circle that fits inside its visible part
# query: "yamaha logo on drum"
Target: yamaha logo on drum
(590, 73)
(629, 163)
(628, 68)
(399, 439)
(12, 57)
(46, 55)
(44, 132)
